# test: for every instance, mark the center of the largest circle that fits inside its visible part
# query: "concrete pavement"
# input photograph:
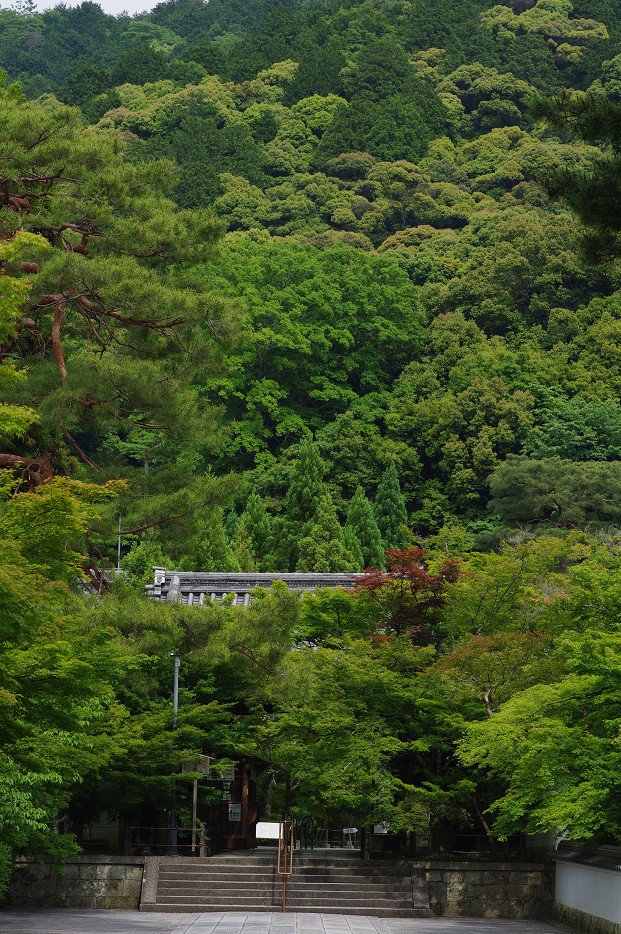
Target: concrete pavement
(86, 921)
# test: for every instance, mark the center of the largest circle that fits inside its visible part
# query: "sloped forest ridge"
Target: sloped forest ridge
(312, 287)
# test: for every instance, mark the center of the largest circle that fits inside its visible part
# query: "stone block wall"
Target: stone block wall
(580, 921)
(490, 890)
(456, 888)
(87, 882)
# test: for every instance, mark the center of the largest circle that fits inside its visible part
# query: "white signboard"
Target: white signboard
(228, 775)
(268, 830)
(234, 812)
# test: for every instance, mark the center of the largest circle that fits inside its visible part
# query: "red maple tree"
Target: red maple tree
(406, 597)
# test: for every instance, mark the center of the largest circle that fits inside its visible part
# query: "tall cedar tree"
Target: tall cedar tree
(389, 508)
(307, 488)
(322, 546)
(362, 522)
(211, 549)
(353, 545)
(302, 502)
(258, 526)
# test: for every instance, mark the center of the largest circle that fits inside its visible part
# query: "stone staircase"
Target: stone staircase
(326, 881)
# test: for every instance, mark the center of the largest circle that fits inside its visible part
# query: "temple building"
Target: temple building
(194, 588)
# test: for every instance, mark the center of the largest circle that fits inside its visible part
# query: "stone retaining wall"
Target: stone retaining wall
(579, 921)
(456, 888)
(490, 890)
(87, 882)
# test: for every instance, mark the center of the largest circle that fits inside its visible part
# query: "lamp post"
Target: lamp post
(172, 829)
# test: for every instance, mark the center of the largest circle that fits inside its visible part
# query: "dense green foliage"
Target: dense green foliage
(283, 287)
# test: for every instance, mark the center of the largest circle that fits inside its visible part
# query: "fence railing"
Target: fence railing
(149, 841)
(144, 841)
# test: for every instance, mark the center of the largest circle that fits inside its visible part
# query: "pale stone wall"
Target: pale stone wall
(87, 882)
(490, 890)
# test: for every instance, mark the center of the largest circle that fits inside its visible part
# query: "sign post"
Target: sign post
(201, 766)
(172, 828)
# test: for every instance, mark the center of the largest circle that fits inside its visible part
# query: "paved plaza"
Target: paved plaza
(74, 921)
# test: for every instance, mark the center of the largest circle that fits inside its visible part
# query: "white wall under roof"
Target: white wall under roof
(589, 889)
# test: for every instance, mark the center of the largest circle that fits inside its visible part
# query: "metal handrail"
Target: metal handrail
(286, 828)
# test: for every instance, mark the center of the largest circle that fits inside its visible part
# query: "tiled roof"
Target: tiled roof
(197, 588)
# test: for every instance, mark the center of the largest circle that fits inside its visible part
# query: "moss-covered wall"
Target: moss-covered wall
(490, 890)
(87, 882)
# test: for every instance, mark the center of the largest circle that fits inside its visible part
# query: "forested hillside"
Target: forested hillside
(285, 287)
(403, 287)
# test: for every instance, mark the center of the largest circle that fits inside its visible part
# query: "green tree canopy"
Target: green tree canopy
(558, 492)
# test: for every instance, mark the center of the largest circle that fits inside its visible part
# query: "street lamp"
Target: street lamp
(172, 829)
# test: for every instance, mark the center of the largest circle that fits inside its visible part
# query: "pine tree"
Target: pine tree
(91, 242)
(594, 194)
(322, 546)
(390, 511)
(361, 521)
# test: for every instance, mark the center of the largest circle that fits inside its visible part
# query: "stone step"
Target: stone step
(312, 885)
(223, 901)
(345, 904)
(253, 860)
(310, 878)
(356, 869)
(165, 891)
(404, 889)
(321, 870)
(321, 909)
(235, 883)
(264, 871)
(217, 874)
(184, 891)
(188, 885)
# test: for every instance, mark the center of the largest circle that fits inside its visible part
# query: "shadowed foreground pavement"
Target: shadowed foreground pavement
(74, 921)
